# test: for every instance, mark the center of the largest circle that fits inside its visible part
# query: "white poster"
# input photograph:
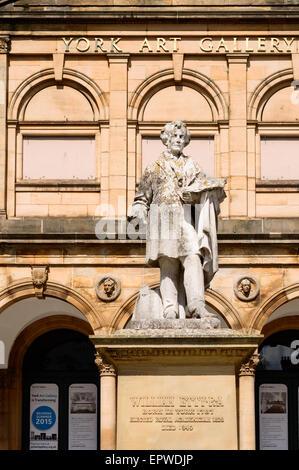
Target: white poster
(273, 400)
(43, 417)
(83, 417)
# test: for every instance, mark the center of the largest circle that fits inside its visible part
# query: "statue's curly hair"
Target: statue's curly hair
(240, 286)
(170, 128)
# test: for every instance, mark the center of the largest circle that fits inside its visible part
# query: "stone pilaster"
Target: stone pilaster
(12, 127)
(118, 142)
(247, 403)
(237, 68)
(108, 403)
(4, 50)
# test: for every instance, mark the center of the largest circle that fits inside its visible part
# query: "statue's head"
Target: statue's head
(175, 136)
(245, 287)
(109, 286)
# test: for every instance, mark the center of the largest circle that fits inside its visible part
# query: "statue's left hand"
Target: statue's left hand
(187, 197)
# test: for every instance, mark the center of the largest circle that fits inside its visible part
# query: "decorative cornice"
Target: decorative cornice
(266, 231)
(127, 354)
(248, 368)
(105, 368)
(134, 12)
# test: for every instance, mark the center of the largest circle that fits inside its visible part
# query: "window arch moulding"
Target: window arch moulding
(265, 90)
(44, 79)
(271, 304)
(93, 100)
(23, 289)
(275, 114)
(191, 79)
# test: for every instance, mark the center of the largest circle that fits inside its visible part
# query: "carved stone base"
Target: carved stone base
(176, 387)
(149, 311)
(175, 324)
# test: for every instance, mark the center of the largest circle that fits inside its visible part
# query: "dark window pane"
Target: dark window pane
(60, 350)
(279, 351)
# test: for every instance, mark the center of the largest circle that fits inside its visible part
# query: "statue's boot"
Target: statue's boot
(197, 309)
(170, 314)
(209, 323)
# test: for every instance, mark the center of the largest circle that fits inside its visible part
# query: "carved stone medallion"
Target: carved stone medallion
(246, 288)
(108, 288)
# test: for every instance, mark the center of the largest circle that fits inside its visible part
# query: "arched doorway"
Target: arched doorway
(60, 393)
(277, 392)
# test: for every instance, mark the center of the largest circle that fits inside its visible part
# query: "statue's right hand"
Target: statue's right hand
(138, 212)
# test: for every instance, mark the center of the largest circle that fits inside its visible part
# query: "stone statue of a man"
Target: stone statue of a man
(182, 204)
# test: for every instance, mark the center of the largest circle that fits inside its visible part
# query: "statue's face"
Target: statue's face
(246, 286)
(176, 142)
(109, 287)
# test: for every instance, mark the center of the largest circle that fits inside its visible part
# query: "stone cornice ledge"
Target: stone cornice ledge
(82, 229)
(156, 12)
(225, 345)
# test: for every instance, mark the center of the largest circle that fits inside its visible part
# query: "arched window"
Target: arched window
(274, 107)
(54, 146)
(159, 99)
(187, 104)
(60, 393)
(277, 392)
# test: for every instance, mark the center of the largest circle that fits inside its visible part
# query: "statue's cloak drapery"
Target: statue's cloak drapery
(183, 205)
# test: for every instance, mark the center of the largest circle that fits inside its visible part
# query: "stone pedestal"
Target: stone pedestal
(176, 388)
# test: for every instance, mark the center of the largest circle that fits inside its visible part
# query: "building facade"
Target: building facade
(85, 90)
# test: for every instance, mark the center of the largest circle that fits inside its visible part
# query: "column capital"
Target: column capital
(4, 44)
(248, 368)
(237, 58)
(105, 368)
(118, 58)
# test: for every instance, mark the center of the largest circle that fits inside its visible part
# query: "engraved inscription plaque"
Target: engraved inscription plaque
(189, 412)
(176, 413)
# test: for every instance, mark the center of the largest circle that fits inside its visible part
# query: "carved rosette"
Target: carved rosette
(39, 279)
(4, 44)
(248, 368)
(105, 368)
